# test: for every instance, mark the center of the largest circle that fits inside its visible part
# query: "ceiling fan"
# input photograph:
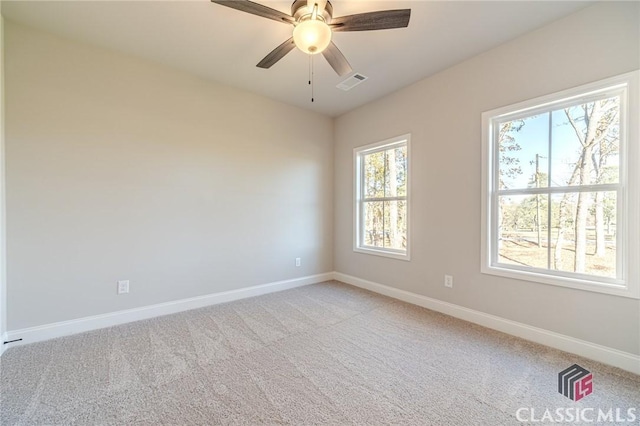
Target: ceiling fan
(314, 24)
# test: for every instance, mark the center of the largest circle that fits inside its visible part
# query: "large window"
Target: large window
(382, 198)
(561, 187)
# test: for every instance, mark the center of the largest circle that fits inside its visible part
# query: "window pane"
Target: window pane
(556, 181)
(584, 233)
(374, 175)
(523, 230)
(395, 225)
(373, 229)
(382, 210)
(523, 153)
(586, 143)
(396, 172)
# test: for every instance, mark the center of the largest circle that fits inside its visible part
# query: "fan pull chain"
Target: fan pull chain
(312, 78)
(311, 75)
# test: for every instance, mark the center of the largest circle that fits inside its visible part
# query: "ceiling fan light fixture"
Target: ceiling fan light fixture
(312, 36)
(314, 25)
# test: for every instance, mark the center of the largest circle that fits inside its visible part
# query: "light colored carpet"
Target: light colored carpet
(322, 354)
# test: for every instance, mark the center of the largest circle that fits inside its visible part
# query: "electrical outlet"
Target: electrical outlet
(123, 286)
(448, 281)
(297, 261)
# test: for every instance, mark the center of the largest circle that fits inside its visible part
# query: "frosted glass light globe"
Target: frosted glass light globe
(312, 36)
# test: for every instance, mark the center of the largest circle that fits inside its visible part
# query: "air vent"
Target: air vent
(351, 82)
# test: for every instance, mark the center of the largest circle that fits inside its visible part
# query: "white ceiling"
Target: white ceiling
(223, 44)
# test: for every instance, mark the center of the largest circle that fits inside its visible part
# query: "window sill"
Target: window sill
(568, 282)
(383, 253)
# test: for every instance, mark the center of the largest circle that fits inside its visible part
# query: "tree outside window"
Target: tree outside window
(557, 202)
(382, 198)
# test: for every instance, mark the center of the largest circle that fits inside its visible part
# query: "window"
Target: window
(381, 220)
(561, 188)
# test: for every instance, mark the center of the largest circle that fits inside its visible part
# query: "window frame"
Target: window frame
(628, 215)
(358, 190)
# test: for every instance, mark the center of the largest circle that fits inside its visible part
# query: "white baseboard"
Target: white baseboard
(624, 360)
(80, 325)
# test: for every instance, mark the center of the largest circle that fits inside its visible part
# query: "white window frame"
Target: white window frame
(358, 178)
(628, 244)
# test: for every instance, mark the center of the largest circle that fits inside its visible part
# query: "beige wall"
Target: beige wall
(119, 169)
(443, 114)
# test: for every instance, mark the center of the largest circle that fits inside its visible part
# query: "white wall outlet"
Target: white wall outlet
(123, 286)
(448, 281)
(297, 261)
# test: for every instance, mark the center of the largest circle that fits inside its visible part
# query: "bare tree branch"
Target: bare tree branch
(575, 127)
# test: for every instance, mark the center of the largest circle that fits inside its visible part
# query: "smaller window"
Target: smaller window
(381, 221)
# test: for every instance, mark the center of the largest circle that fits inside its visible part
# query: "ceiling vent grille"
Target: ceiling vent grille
(352, 82)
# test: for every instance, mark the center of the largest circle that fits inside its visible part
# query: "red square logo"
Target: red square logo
(575, 382)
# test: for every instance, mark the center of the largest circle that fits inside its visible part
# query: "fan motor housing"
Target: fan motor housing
(300, 9)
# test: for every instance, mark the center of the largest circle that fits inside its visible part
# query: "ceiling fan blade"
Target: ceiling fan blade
(336, 59)
(381, 20)
(276, 54)
(256, 9)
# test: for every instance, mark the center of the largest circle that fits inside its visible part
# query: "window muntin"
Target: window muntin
(381, 211)
(557, 205)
